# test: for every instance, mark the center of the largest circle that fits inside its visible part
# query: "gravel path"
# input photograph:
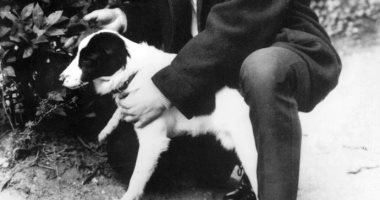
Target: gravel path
(341, 145)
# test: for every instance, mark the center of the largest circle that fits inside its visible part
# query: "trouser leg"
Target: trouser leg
(275, 83)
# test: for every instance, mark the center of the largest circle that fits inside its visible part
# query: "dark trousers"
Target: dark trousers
(275, 84)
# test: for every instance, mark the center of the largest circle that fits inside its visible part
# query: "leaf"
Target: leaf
(27, 52)
(40, 39)
(38, 31)
(60, 111)
(74, 19)
(6, 44)
(9, 71)
(55, 95)
(62, 19)
(28, 27)
(14, 39)
(70, 42)
(53, 18)
(5, 53)
(22, 35)
(30, 124)
(4, 10)
(38, 16)
(27, 11)
(9, 15)
(4, 31)
(55, 32)
(11, 59)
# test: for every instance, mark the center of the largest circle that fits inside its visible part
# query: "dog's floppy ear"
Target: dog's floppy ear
(104, 54)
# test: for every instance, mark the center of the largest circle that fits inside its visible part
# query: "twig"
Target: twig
(362, 168)
(89, 148)
(4, 134)
(56, 169)
(56, 163)
(51, 110)
(83, 143)
(47, 113)
(355, 148)
(63, 150)
(46, 167)
(91, 176)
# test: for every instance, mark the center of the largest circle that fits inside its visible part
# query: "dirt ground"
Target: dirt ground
(340, 152)
(341, 143)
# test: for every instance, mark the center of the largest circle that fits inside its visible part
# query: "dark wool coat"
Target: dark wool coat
(229, 31)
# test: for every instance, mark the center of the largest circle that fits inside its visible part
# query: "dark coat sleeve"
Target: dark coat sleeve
(233, 30)
(143, 22)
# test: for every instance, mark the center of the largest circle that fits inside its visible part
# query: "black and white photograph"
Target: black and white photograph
(189, 99)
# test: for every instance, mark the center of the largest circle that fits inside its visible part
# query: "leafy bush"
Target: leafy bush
(347, 18)
(36, 38)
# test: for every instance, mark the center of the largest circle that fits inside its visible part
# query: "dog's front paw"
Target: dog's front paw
(130, 197)
(102, 136)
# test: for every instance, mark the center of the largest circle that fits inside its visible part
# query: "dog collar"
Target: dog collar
(124, 85)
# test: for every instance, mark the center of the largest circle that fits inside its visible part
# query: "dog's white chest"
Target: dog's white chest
(230, 110)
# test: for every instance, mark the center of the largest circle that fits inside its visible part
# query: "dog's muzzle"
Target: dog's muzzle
(71, 82)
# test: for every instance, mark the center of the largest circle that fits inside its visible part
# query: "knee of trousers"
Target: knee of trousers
(274, 70)
(263, 69)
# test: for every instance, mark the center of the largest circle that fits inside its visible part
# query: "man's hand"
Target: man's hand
(112, 19)
(143, 105)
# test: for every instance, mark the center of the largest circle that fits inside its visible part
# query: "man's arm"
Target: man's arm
(233, 30)
(143, 24)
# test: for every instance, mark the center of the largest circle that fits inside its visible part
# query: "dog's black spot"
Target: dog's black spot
(103, 56)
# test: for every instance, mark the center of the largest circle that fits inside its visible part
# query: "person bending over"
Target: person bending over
(275, 52)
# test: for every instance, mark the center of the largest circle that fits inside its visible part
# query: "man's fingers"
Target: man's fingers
(124, 102)
(112, 26)
(91, 16)
(126, 111)
(127, 101)
(141, 123)
(147, 119)
(130, 118)
(126, 106)
(103, 16)
(123, 94)
(112, 19)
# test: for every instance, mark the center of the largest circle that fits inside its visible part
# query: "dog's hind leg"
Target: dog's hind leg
(111, 125)
(246, 151)
(153, 141)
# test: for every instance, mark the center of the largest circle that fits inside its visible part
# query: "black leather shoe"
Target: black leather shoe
(243, 192)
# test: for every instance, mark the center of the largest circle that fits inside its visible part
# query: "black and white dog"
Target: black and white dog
(112, 62)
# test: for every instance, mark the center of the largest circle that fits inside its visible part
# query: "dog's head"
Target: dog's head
(100, 55)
